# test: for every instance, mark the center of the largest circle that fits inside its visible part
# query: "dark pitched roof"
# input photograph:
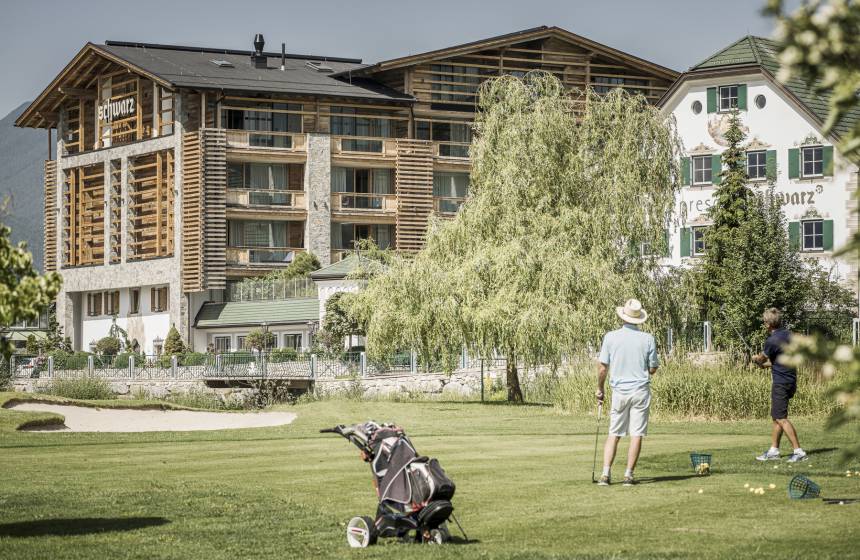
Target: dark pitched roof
(760, 52)
(192, 67)
(340, 269)
(251, 313)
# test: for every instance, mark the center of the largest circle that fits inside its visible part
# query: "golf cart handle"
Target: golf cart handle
(335, 430)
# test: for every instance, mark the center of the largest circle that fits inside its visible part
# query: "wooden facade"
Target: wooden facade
(50, 240)
(83, 212)
(150, 206)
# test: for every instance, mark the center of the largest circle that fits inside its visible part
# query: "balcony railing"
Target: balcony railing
(266, 197)
(447, 205)
(455, 150)
(361, 145)
(363, 202)
(261, 256)
(292, 141)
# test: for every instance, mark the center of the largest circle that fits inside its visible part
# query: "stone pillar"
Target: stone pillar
(318, 188)
(124, 221)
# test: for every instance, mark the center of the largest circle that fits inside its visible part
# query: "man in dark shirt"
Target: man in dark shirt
(783, 388)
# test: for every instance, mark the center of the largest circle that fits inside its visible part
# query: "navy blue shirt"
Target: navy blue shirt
(773, 349)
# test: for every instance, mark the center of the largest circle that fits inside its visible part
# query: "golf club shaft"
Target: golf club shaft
(596, 439)
(737, 332)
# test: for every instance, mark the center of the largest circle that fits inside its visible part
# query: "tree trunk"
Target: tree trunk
(515, 393)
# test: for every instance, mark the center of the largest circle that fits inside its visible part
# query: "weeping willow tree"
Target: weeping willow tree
(550, 239)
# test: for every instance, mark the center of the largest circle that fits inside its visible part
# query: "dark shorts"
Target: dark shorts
(780, 394)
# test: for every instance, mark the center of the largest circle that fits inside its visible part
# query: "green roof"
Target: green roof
(252, 313)
(762, 52)
(340, 269)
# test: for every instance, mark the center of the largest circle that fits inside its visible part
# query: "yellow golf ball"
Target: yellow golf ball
(747, 485)
(752, 489)
(771, 486)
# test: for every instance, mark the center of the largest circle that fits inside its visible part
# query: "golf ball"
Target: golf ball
(752, 489)
(771, 486)
(775, 467)
(747, 485)
(701, 491)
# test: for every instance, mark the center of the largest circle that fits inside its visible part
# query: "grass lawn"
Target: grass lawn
(523, 479)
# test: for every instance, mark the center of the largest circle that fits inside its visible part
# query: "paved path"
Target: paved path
(84, 419)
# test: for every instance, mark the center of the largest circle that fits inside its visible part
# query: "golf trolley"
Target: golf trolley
(414, 492)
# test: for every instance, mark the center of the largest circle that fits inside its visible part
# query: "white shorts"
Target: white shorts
(630, 413)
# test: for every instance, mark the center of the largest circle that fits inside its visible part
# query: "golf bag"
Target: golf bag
(414, 492)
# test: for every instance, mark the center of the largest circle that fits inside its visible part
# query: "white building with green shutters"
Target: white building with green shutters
(785, 147)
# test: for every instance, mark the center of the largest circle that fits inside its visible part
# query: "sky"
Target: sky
(39, 37)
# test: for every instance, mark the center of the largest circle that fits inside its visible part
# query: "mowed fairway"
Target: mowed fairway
(523, 490)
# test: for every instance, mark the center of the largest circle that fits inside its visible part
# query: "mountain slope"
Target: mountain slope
(22, 159)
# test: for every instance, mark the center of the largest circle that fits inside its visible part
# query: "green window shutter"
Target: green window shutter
(667, 250)
(827, 160)
(712, 100)
(685, 242)
(742, 97)
(793, 163)
(685, 171)
(770, 162)
(716, 168)
(828, 235)
(794, 236)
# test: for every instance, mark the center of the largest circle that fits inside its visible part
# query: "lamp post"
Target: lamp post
(157, 345)
(312, 330)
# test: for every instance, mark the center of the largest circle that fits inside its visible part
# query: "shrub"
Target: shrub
(259, 339)
(81, 388)
(121, 360)
(67, 360)
(202, 399)
(279, 355)
(193, 359)
(173, 343)
(108, 346)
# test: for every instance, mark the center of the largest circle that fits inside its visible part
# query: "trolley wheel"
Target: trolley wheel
(440, 535)
(361, 532)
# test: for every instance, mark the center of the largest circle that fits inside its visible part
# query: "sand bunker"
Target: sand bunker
(84, 419)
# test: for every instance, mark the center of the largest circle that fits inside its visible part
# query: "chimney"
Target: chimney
(258, 59)
(283, 56)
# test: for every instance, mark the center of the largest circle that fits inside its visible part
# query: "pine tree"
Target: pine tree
(173, 344)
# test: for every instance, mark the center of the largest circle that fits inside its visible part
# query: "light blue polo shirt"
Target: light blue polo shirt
(629, 353)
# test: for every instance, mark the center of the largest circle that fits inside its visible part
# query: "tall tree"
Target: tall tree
(821, 44)
(24, 294)
(748, 263)
(547, 244)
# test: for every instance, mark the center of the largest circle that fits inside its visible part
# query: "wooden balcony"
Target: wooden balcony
(455, 151)
(267, 141)
(363, 147)
(262, 257)
(446, 206)
(267, 199)
(364, 204)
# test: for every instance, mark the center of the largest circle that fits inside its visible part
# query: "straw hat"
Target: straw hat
(632, 312)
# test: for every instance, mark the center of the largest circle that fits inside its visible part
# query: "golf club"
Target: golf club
(737, 332)
(596, 437)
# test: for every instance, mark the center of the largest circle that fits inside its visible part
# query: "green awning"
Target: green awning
(23, 335)
(340, 269)
(255, 313)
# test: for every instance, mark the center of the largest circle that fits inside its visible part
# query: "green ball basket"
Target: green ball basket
(697, 459)
(801, 488)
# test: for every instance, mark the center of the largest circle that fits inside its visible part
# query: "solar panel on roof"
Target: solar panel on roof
(222, 63)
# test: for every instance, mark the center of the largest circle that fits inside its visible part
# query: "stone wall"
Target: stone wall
(318, 185)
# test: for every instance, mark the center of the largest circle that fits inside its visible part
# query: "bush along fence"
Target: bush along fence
(273, 364)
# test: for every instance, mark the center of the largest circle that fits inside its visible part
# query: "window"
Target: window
(276, 235)
(293, 341)
(813, 161)
(111, 302)
(240, 342)
(272, 121)
(94, 304)
(757, 165)
(134, 301)
(702, 170)
(222, 344)
(451, 188)
(158, 300)
(760, 101)
(813, 235)
(698, 234)
(453, 137)
(610, 82)
(696, 107)
(345, 235)
(728, 98)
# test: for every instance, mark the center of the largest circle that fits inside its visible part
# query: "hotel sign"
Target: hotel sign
(118, 109)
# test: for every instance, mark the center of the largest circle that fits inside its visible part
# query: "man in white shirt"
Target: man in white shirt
(629, 357)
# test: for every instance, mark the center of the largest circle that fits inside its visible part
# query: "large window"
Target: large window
(728, 98)
(158, 299)
(698, 234)
(252, 233)
(454, 87)
(94, 304)
(221, 344)
(362, 188)
(345, 235)
(605, 84)
(103, 303)
(453, 137)
(813, 161)
(450, 189)
(274, 121)
(813, 235)
(134, 301)
(757, 165)
(702, 170)
(293, 341)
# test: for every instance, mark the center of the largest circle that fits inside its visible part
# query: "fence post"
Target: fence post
(131, 366)
(362, 364)
(706, 335)
(50, 366)
(313, 366)
(90, 365)
(413, 362)
(670, 340)
(855, 331)
(464, 359)
(482, 379)
(174, 364)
